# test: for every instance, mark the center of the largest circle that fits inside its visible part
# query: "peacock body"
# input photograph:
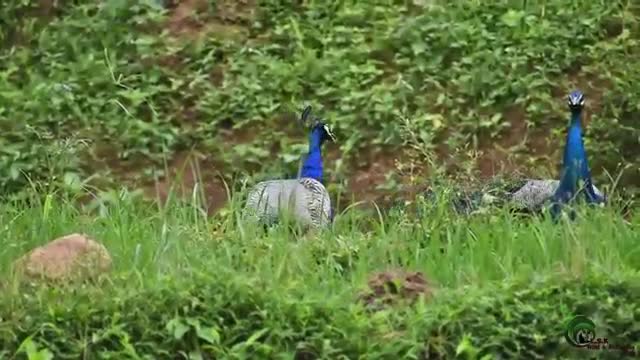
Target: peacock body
(525, 195)
(531, 195)
(305, 199)
(536, 193)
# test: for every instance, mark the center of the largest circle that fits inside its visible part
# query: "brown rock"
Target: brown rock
(393, 286)
(67, 258)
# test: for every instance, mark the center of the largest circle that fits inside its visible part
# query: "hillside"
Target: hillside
(105, 102)
(127, 92)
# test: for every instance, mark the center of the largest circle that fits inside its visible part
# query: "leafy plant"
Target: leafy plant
(470, 75)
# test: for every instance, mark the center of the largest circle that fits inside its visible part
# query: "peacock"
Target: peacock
(305, 198)
(575, 168)
(531, 195)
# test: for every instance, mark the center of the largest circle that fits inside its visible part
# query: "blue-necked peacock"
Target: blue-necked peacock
(576, 175)
(531, 195)
(305, 198)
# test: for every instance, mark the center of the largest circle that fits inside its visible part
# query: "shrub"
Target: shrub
(219, 316)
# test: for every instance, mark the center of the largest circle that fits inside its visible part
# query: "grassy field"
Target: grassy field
(104, 107)
(454, 251)
(263, 295)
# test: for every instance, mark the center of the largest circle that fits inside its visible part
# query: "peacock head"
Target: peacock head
(327, 133)
(576, 100)
(317, 124)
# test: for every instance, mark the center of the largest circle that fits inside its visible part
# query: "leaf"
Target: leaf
(253, 338)
(512, 18)
(208, 334)
(177, 328)
(465, 346)
(30, 347)
(418, 48)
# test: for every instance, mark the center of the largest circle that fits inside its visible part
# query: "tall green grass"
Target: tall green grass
(189, 285)
(151, 242)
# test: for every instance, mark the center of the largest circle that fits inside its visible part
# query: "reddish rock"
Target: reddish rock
(70, 257)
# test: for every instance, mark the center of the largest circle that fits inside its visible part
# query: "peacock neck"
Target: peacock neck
(312, 167)
(574, 151)
(575, 166)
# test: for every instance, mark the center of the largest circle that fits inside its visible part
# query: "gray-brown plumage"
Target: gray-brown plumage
(535, 193)
(523, 195)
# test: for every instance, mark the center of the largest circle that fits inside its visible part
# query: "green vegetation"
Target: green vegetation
(219, 288)
(97, 94)
(468, 77)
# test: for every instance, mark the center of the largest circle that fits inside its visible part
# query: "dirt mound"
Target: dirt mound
(395, 286)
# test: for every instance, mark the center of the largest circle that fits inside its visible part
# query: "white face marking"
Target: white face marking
(329, 132)
(576, 100)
